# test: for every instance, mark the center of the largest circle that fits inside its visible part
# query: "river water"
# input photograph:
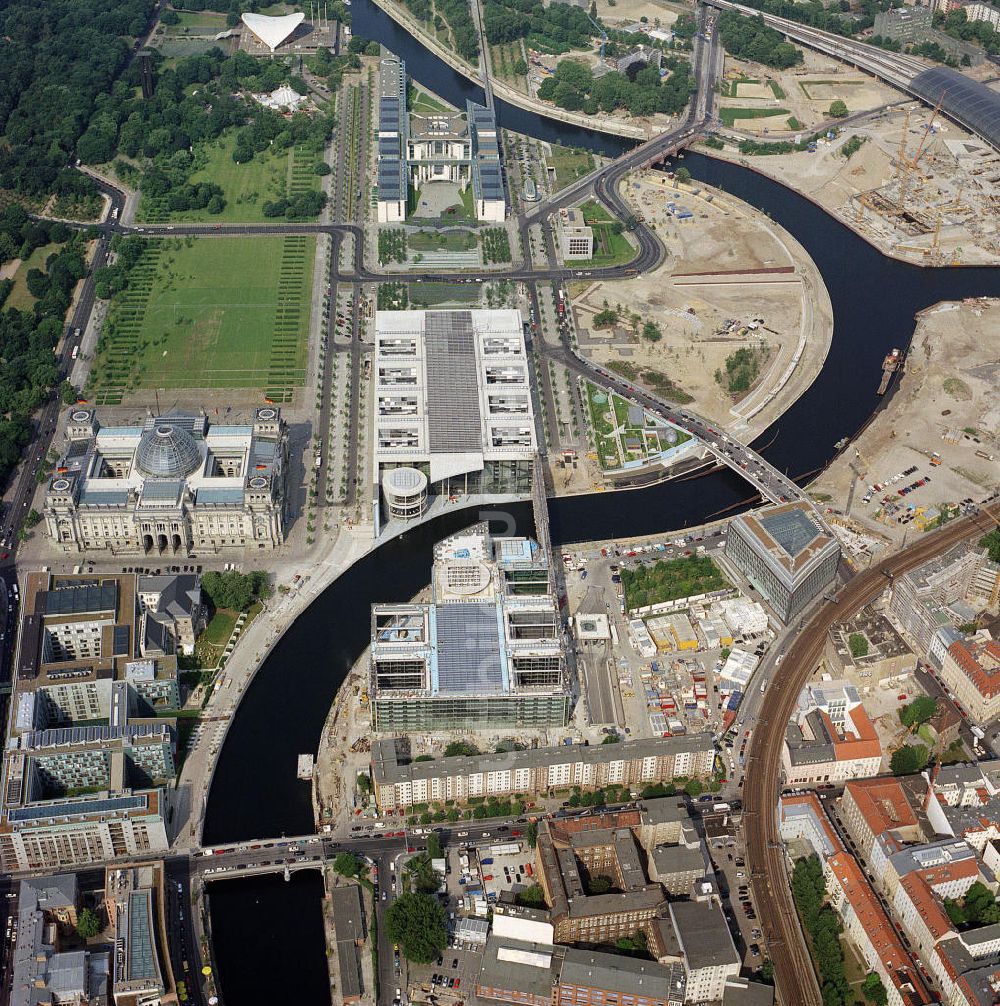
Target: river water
(255, 793)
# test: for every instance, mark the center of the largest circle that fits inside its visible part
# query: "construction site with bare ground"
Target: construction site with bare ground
(914, 185)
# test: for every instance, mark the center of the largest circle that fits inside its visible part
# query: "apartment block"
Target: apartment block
(632, 763)
(872, 932)
(873, 807)
(971, 670)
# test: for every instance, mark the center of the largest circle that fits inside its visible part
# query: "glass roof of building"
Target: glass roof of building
(966, 101)
(167, 452)
(792, 530)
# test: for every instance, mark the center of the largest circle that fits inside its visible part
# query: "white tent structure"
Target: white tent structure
(272, 31)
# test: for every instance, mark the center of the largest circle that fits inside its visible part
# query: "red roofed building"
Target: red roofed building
(922, 915)
(971, 669)
(871, 931)
(871, 807)
(818, 749)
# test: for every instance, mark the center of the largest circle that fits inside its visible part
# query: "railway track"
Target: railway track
(794, 974)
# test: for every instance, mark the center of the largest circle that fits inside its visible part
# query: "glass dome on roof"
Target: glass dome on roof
(167, 452)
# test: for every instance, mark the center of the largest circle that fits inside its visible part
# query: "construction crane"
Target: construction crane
(922, 146)
(908, 165)
(603, 34)
(863, 460)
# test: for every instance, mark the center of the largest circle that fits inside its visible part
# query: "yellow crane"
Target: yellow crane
(908, 165)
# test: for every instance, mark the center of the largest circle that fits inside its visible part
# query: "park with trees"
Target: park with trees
(574, 87)
(417, 922)
(158, 145)
(750, 39)
(60, 61)
(30, 333)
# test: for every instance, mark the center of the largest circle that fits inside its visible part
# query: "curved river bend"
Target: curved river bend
(255, 793)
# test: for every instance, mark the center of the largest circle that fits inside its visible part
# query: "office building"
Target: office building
(87, 754)
(84, 651)
(630, 763)
(566, 863)
(678, 867)
(453, 413)
(531, 974)
(420, 150)
(141, 971)
(922, 601)
(971, 670)
(485, 652)
(883, 656)
(830, 738)
(707, 949)
(172, 614)
(42, 971)
(786, 553)
(172, 487)
(576, 239)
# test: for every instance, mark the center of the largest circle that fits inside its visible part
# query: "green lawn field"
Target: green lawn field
(569, 164)
(269, 176)
(20, 296)
(210, 313)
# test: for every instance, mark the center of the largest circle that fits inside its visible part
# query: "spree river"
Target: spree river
(255, 793)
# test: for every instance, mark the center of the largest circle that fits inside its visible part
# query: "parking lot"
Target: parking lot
(451, 978)
(726, 850)
(506, 871)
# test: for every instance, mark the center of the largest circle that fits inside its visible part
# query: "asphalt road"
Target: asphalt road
(793, 969)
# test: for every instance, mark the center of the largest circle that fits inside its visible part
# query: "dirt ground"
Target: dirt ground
(947, 402)
(805, 92)
(950, 199)
(629, 11)
(725, 242)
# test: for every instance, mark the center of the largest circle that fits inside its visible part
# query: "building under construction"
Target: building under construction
(486, 651)
(941, 199)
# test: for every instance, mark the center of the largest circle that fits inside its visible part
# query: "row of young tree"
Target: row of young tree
(573, 86)
(58, 56)
(822, 924)
(750, 39)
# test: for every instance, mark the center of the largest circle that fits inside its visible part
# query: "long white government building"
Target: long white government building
(454, 415)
